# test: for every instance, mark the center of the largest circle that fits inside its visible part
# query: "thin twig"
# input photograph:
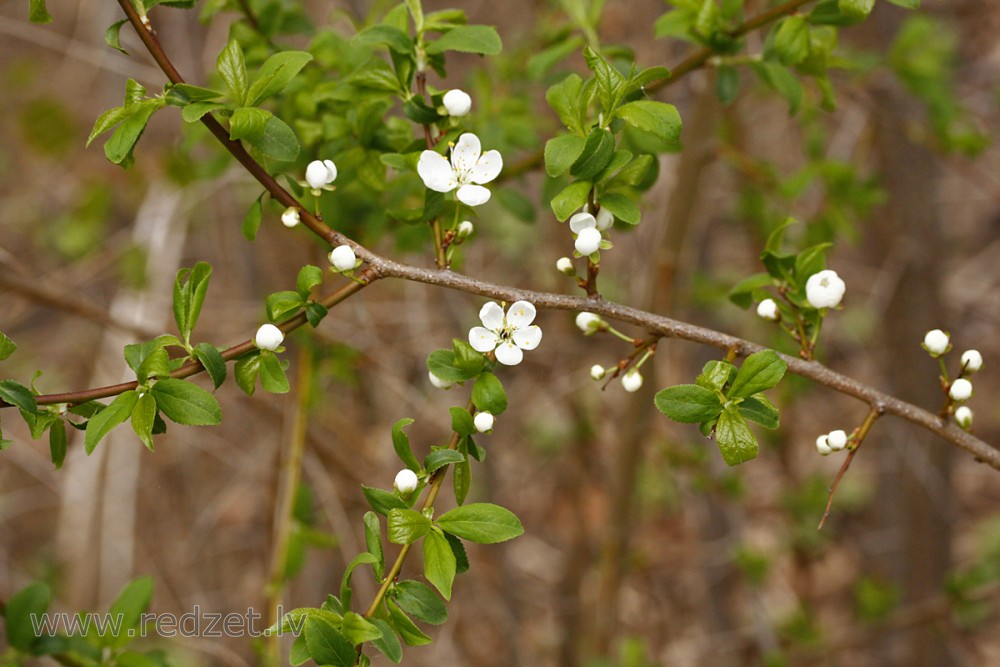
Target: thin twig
(857, 438)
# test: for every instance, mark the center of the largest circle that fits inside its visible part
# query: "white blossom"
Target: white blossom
(589, 323)
(768, 310)
(343, 259)
(468, 170)
(406, 481)
(632, 380)
(290, 217)
(972, 361)
(465, 229)
(268, 337)
(836, 439)
(588, 241)
(605, 219)
(936, 342)
(484, 421)
(320, 173)
(457, 102)
(822, 446)
(507, 334)
(960, 390)
(565, 265)
(439, 382)
(963, 417)
(597, 372)
(825, 289)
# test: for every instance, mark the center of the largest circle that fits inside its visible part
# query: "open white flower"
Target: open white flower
(457, 102)
(268, 337)
(468, 169)
(507, 334)
(825, 289)
(320, 173)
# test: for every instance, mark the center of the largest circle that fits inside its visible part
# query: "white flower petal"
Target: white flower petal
(491, 315)
(482, 340)
(436, 172)
(509, 354)
(528, 338)
(487, 168)
(581, 221)
(472, 195)
(588, 241)
(520, 314)
(465, 154)
(457, 102)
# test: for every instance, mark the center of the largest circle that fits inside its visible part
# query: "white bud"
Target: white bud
(465, 229)
(768, 309)
(963, 417)
(822, 446)
(605, 219)
(343, 259)
(406, 481)
(825, 289)
(936, 342)
(438, 382)
(565, 265)
(960, 390)
(268, 337)
(589, 323)
(484, 422)
(320, 173)
(588, 241)
(457, 102)
(290, 217)
(632, 380)
(972, 361)
(580, 221)
(598, 372)
(837, 440)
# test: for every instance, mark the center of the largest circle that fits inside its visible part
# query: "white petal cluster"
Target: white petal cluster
(972, 361)
(269, 337)
(768, 310)
(508, 335)
(406, 481)
(825, 289)
(632, 380)
(468, 169)
(484, 421)
(589, 323)
(290, 217)
(960, 390)
(457, 102)
(343, 259)
(320, 173)
(588, 236)
(834, 441)
(565, 265)
(605, 219)
(936, 342)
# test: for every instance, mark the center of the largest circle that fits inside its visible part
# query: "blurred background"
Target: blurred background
(641, 546)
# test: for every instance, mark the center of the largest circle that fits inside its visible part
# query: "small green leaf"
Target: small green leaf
(461, 421)
(761, 370)
(251, 221)
(112, 37)
(462, 478)
(658, 118)
(143, 416)
(364, 558)
(688, 403)
(597, 152)
(309, 277)
(442, 457)
(761, 411)
(276, 73)
(327, 645)
(622, 207)
(573, 197)
(37, 12)
(564, 98)
(561, 152)
(155, 365)
(742, 292)
(791, 40)
(315, 312)
(439, 563)
(18, 395)
(358, 629)
(248, 123)
(857, 9)
(190, 288)
(382, 501)
(128, 609)
(401, 443)
(385, 35)
(611, 85)
(457, 548)
(481, 39)
(280, 305)
(419, 600)
(716, 374)
(736, 441)
(57, 443)
(488, 394)
(7, 346)
(116, 413)
(407, 629)
(28, 603)
(118, 149)
(483, 523)
(373, 540)
(278, 141)
(233, 70)
(783, 81)
(186, 403)
(407, 526)
(272, 375)
(212, 360)
(389, 644)
(192, 113)
(245, 371)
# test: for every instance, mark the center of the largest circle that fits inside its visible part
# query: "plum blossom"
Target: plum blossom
(936, 342)
(963, 417)
(484, 421)
(823, 446)
(588, 236)
(598, 372)
(836, 439)
(268, 337)
(406, 481)
(825, 289)
(972, 361)
(290, 217)
(457, 102)
(768, 310)
(565, 265)
(508, 335)
(632, 380)
(320, 173)
(468, 170)
(343, 259)
(960, 390)
(439, 382)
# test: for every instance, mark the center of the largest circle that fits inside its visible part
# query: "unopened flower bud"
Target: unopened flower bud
(972, 361)
(580, 221)
(465, 229)
(589, 323)
(632, 380)
(963, 417)
(768, 310)
(936, 342)
(484, 422)
(825, 289)
(605, 219)
(438, 382)
(960, 390)
(406, 481)
(268, 337)
(457, 102)
(290, 217)
(588, 241)
(598, 372)
(822, 446)
(343, 259)
(320, 173)
(565, 265)
(837, 440)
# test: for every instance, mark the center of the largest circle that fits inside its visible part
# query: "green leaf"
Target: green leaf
(761, 370)
(571, 199)
(442, 457)
(688, 403)
(461, 421)
(439, 563)
(419, 600)
(272, 375)
(736, 441)
(7, 346)
(276, 73)
(245, 371)
(143, 416)
(190, 288)
(37, 12)
(382, 501)
(385, 35)
(857, 9)
(116, 413)
(57, 443)
(193, 112)
(906, 4)
(233, 70)
(156, 364)
(457, 548)
(373, 540)
(389, 644)
(128, 609)
(716, 374)
(407, 629)
(401, 444)
(622, 207)
(358, 629)
(611, 85)
(282, 304)
(29, 602)
(326, 645)
(186, 403)
(462, 478)
(118, 149)
(279, 141)
(407, 526)
(481, 39)
(761, 411)
(364, 558)
(561, 152)
(315, 312)
(564, 98)
(791, 40)
(248, 123)
(488, 394)
(597, 152)
(809, 261)
(251, 221)
(417, 11)
(18, 395)
(112, 35)
(658, 118)
(783, 81)
(212, 360)
(309, 276)
(185, 93)
(483, 523)
(742, 292)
